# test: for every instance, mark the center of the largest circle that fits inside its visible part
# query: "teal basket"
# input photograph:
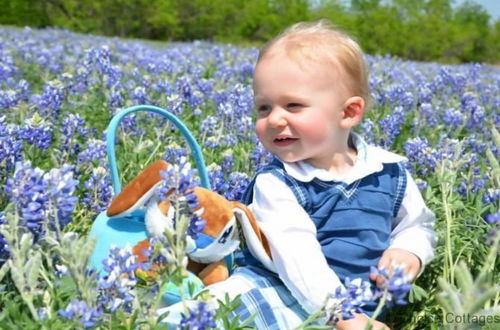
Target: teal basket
(130, 230)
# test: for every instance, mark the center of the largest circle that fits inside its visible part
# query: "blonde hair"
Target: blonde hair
(321, 41)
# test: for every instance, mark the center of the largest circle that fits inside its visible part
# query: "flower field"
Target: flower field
(59, 90)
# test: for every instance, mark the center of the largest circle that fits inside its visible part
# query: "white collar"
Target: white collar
(370, 160)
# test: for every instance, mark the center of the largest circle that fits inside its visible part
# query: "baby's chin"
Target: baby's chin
(287, 158)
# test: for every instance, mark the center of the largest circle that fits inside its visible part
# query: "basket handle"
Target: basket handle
(111, 135)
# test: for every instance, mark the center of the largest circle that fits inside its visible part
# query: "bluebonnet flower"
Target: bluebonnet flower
(473, 143)
(187, 90)
(213, 142)
(174, 153)
(491, 196)
(391, 126)
(348, 300)
(227, 162)
(462, 187)
(37, 132)
(119, 279)
(368, 129)
(140, 95)
(237, 184)
(164, 86)
(199, 318)
(51, 99)
(452, 118)
(478, 184)
(424, 93)
(469, 161)
(174, 104)
(421, 184)
(28, 191)
(493, 218)
(191, 200)
(397, 94)
(4, 246)
(99, 58)
(209, 125)
(78, 310)
(72, 128)
(95, 151)
(446, 149)
(99, 191)
(8, 99)
(81, 79)
(396, 284)
(217, 179)
(205, 86)
(196, 226)
(421, 154)
(23, 90)
(229, 140)
(260, 156)
(42, 198)
(154, 254)
(475, 112)
(10, 144)
(179, 177)
(243, 127)
(178, 185)
(115, 98)
(61, 191)
(8, 67)
(429, 113)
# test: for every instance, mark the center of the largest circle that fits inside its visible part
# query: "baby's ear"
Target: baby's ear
(354, 109)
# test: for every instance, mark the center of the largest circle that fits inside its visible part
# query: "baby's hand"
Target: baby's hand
(360, 321)
(398, 257)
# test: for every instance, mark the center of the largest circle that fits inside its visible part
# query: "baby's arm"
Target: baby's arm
(413, 238)
(295, 250)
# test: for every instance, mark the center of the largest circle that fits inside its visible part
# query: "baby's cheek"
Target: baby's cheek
(260, 129)
(318, 133)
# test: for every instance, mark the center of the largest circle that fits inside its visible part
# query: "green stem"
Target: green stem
(445, 192)
(310, 319)
(29, 302)
(380, 305)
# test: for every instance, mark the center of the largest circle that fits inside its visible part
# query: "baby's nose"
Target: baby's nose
(277, 118)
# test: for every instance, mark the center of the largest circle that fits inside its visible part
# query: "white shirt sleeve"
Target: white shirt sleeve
(295, 250)
(413, 225)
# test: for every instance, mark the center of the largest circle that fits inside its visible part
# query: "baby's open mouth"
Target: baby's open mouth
(282, 141)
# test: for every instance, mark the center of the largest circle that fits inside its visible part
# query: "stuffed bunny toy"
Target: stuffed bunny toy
(218, 239)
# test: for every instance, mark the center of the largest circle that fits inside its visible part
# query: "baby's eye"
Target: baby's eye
(293, 105)
(263, 108)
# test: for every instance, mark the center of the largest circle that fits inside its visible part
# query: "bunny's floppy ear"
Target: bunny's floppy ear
(255, 239)
(137, 192)
(220, 236)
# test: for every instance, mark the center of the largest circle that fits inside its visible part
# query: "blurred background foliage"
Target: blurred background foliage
(422, 30)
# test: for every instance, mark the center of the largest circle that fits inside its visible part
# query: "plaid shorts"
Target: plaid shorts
(264, 295)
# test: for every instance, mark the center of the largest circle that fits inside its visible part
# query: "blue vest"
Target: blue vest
(353, 221)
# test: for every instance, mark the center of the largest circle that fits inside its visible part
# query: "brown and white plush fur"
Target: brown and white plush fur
(223, 219)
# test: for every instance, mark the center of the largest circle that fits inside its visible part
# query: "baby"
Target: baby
(330, 205)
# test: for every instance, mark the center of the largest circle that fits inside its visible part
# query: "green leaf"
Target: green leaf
(17, 276)
(3, 270)
(481, 300)
(464, 279)
(449, 298)
(33, 268)
(417, 293)
(495, 167)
